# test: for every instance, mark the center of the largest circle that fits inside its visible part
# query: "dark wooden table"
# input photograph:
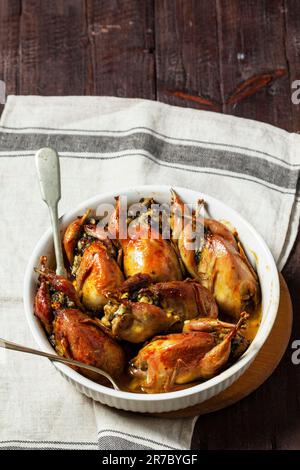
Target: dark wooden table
(233, 56)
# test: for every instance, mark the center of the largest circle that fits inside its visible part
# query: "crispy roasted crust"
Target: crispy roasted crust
(136, 322)
(188, 299)
(159, 364)
(225, 270)
(78, 336)
(42, 306)
(98, 272)
(72, 235)
(156, 258)
(161, 307)
(199, 352)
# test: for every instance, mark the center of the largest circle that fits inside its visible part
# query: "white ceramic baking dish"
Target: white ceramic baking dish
(260, 257)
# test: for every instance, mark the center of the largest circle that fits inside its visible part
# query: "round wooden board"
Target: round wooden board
(261, 368)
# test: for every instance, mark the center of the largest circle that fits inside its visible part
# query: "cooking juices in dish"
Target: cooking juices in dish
(157, 309)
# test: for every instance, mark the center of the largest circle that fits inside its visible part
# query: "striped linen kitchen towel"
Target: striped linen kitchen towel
(105, 144)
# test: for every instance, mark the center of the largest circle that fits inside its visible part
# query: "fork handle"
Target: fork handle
(53, 357)
(48, 169)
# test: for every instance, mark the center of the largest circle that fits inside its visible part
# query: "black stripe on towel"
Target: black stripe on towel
(110, 433)
(166, 152)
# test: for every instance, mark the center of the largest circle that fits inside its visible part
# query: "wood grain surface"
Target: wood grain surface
(233, 56)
